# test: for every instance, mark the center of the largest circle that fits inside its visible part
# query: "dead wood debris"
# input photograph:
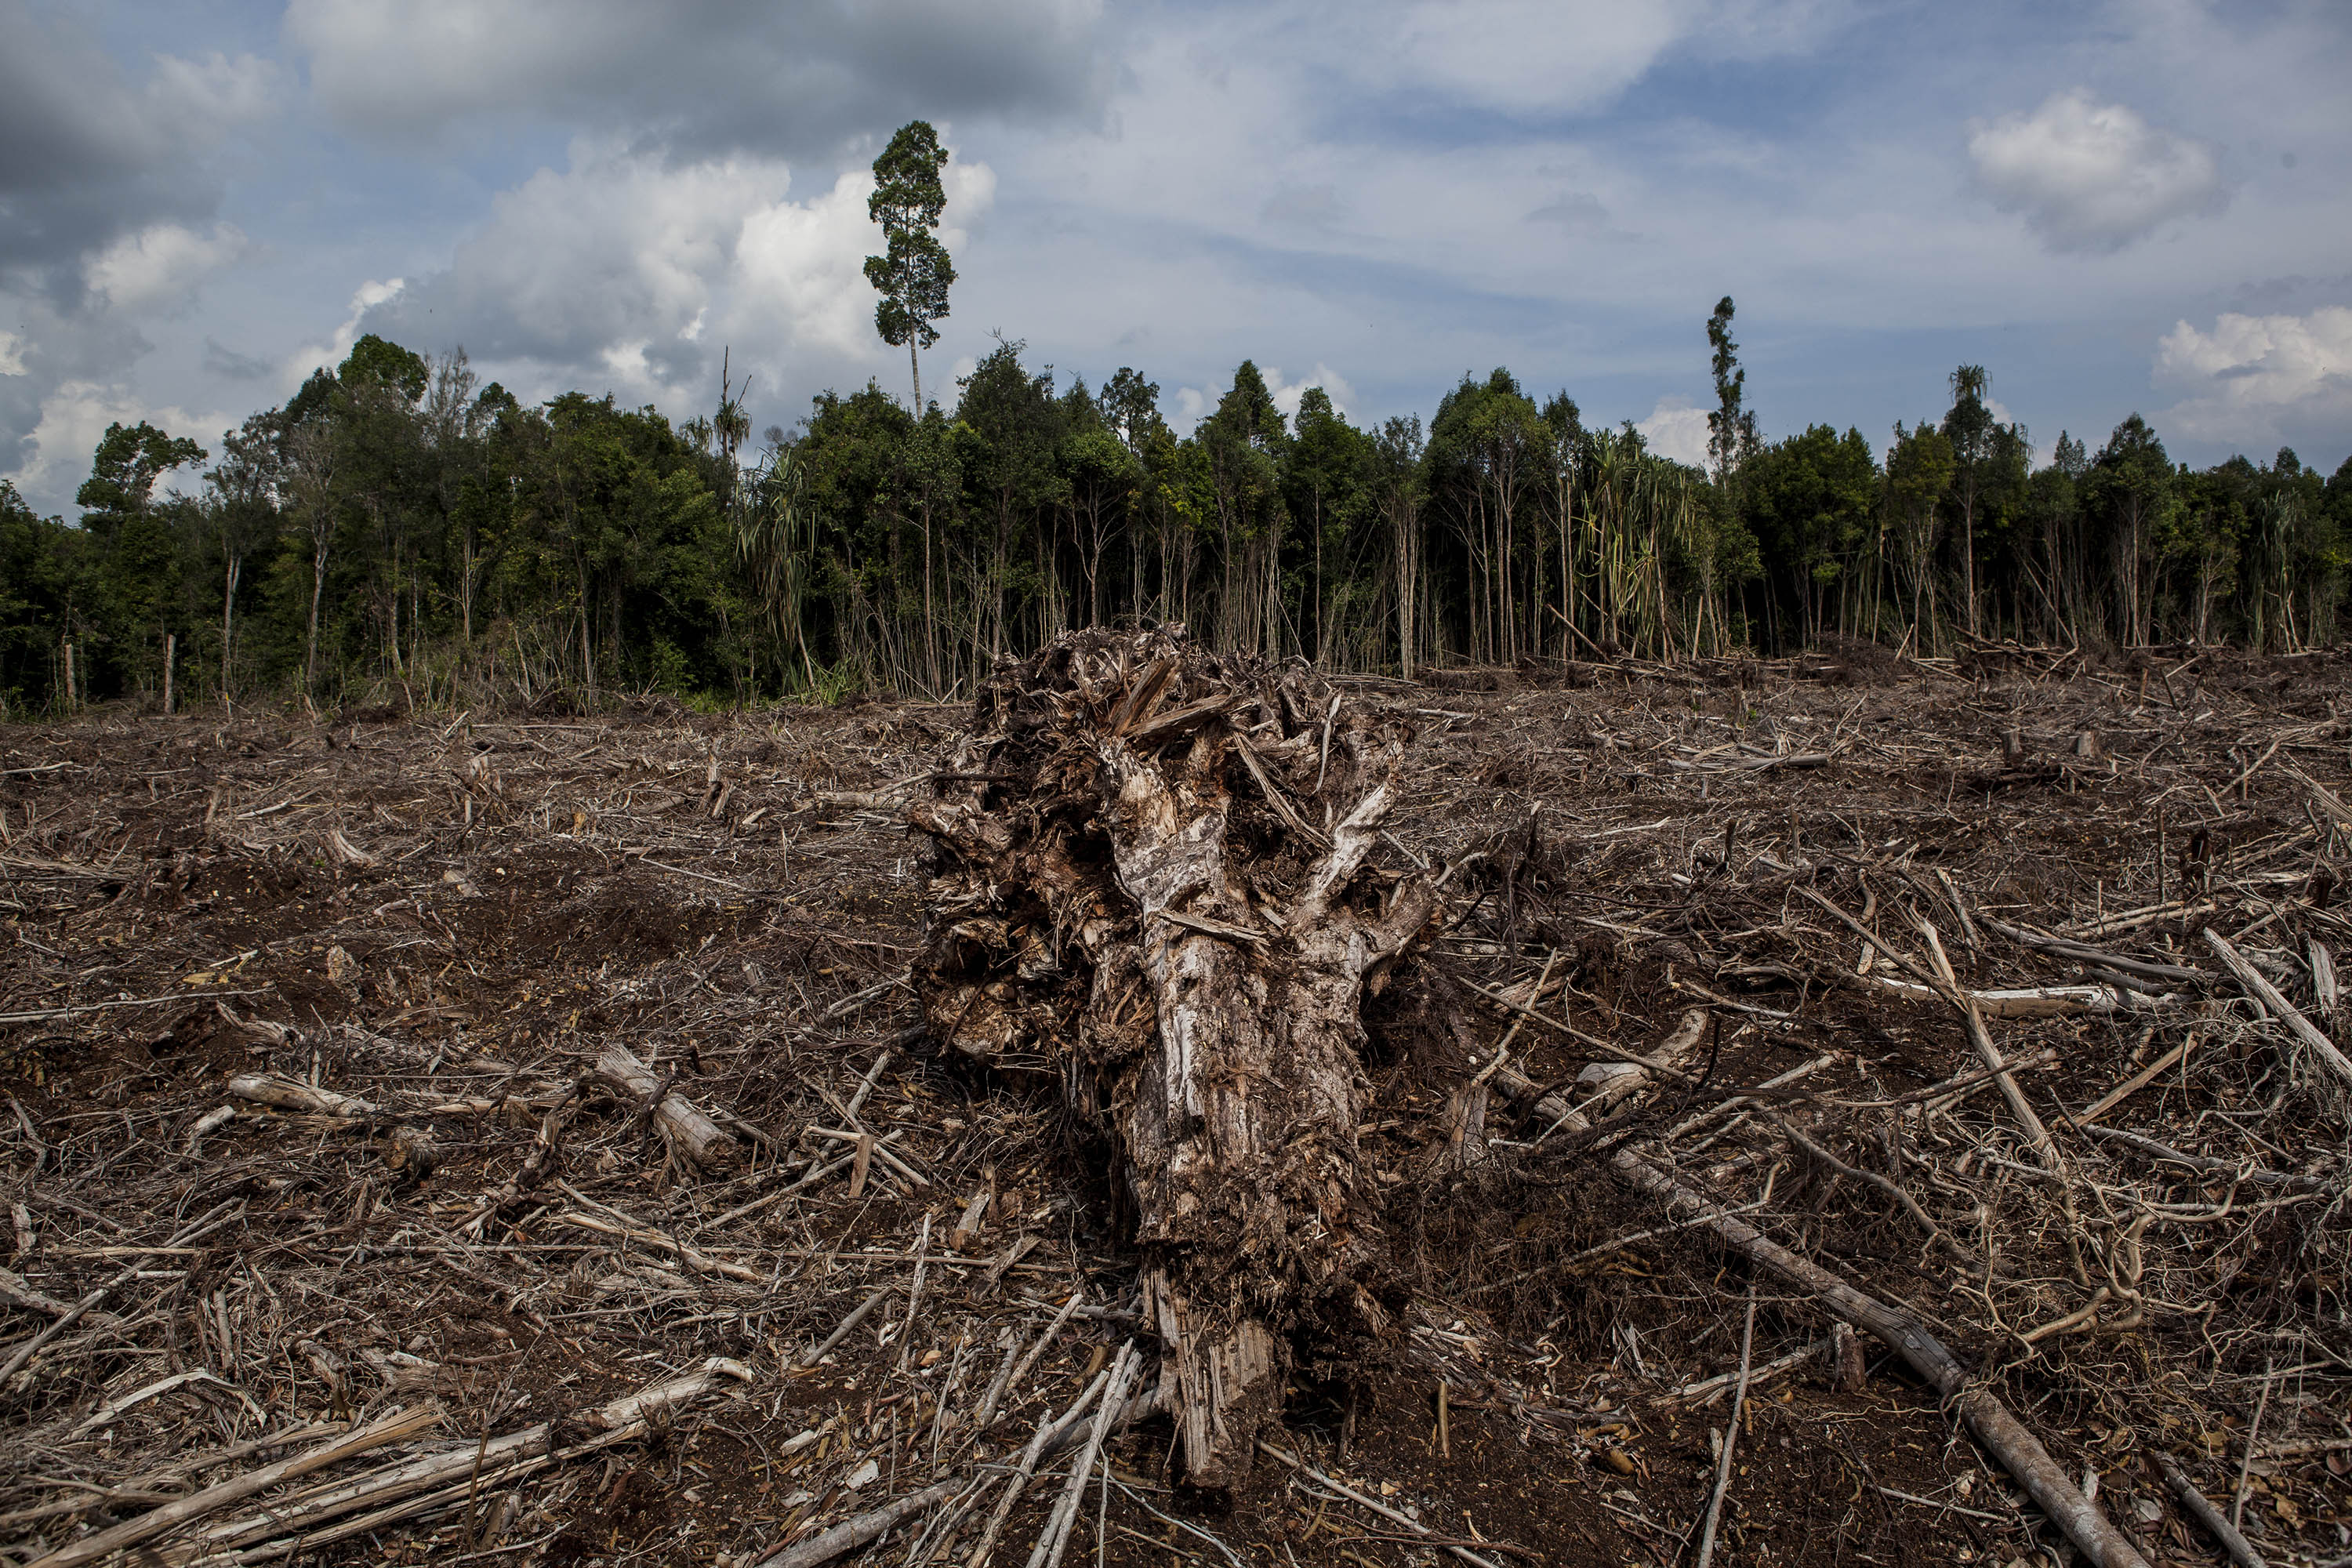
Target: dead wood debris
(1130, 901)
(337, 1227)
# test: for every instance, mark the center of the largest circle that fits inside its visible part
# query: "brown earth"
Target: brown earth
(735, 899)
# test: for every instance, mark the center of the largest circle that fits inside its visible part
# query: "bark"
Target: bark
(318, 591)
(228, 616)
(696, 1139)
(1127, 901)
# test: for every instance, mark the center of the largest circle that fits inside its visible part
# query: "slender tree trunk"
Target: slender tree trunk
(915, 365)
(1225, 596)
(1321, 651)
(931, 615)
(229, 608)
(1274, 590)
(318, 591)
(1567, 570)
(1968, 555)
(1408, 574)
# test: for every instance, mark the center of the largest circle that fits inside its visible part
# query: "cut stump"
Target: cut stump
(1153, 882)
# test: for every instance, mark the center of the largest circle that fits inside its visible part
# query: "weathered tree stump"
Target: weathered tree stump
(1153, 882)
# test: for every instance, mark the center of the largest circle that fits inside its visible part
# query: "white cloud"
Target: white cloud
(11, 353)
(2092, 176)
(801, 267)
(77, 414)
(87, 154)
(1526, 55)
(298, 365)
(1288, 394)
(160, 268)
(2252, 378)
(620, 247)
(648, 267)
(1578, 212)
(1676, 429)
(1192, 403)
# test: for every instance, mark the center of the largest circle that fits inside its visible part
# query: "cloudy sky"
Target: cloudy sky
(2144, 204)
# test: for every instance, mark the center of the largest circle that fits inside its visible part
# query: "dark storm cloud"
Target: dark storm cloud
(66, 115)
(796, 78)
(227, 363)
(87, 154)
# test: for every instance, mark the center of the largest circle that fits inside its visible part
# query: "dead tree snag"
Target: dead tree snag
(1153, 882)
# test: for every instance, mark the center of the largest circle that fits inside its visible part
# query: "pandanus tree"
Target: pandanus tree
(775, 544)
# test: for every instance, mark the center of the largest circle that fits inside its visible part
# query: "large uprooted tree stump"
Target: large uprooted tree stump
(1152, 881)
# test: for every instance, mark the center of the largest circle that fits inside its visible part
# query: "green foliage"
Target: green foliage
(914, 275)
(397, 529)
(40, 561)
(1813, 505)
(374, 362)
(123, 471)
(1731, 435)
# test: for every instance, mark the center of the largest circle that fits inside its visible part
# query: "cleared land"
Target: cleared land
(398, 951)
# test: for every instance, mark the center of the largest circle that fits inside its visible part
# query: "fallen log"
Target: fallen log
(288, 1094)
(2021, 1002)
(1171, 908)
(397, 1426)
(695, 1139)
(2198, 1507)
(855, 1532)
(402, 1489)
(2001, 1433)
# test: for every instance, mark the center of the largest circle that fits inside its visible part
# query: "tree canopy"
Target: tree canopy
(397, 527)
(914, 274)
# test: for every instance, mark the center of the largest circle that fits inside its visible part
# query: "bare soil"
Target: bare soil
(450, 918)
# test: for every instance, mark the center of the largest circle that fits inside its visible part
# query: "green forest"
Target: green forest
(399, 529)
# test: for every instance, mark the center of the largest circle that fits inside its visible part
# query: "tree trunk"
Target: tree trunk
(931, 615)
(1104, 920)
(694, 1139)
(318, 590)
(228, 610)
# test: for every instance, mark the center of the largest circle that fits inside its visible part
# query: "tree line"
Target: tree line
(399, 526)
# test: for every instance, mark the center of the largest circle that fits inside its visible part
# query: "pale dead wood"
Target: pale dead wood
(1730, 1439)
(692, 1137)
(391, 1428)
(2290, 1017)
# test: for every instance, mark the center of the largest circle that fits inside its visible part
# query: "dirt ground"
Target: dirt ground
(448, 918)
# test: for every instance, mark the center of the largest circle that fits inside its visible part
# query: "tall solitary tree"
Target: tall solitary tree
(1970, 428)
(914, 277)
(1731, 429)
